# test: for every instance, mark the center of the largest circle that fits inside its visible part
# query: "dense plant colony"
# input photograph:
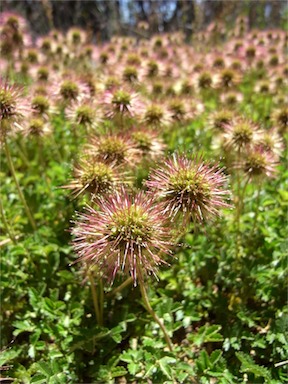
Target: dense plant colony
(143, 175)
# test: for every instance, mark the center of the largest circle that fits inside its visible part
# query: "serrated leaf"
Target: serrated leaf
(8, 354)
(118, 371)
(44, 368)
(207, 334)
(126, 357)
(151, 368)
(248, 365)
(165, 367)
(22, 326)
(133, 368)
(38, 379)
(215, 356)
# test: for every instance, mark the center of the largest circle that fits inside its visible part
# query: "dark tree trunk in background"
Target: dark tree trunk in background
(188, 18)
(276, 13)
(212, 10)
(104, 18)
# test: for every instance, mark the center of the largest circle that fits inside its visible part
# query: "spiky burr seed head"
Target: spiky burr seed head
(156, 116)
(221, 118)
(280, 119)
(130, 74)
(36, 127)
(83, 113)
(95, 177)
(227, 78)
(177, 109)
(205, 80)
(189, 188)
(270, 141)
(240, 134)
(14, 108)
(69, 90)
(40, 105)
(128, 232)
(258, 164)
(121, 102)
(148, 143)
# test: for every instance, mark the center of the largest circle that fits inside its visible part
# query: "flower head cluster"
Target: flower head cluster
(13, 108)
(192, 188)
(148, 143)
(83, 113)
(96, 177)
(37, 127)
(220, 119)
(240, 134)
(121, 102)
(127, 233)
(156, 116)
(259, 163)
(112, 148)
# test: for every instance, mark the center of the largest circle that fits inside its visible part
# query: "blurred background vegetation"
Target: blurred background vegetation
(145, 17)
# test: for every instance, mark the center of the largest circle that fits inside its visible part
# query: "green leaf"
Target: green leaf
(248, 365)
(207, 334)
(118, 371)
(39, 379)
(215, 356)
(133, 368)
(164, 365)
(151, 368)
(7, 355)
(44, 368)
(23, 326)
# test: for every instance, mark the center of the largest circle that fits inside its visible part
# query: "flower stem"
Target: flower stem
(257, 209)
(23, 155)
(6, 225)
(155, 317)
(238, 212)
(101, 299)
(22, 198)
(121, 287)
(95, 298)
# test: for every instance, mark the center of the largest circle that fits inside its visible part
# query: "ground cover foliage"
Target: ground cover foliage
(215, 105)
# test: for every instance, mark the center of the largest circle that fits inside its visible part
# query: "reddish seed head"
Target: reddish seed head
(189, 187)
(13, 108)
(115, 149)
(127, 233)
(121, 102)
(240, 134)
(95, 177)
(259, 163)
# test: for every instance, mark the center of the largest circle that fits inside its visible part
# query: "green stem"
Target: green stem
(238, 208)
(6, 225)
(22, 198)
(56, 149)
(23, 155)
(95, 298)
(101, 299)
(257, 209)
(239, 211)
(242, 195)
(121, 287)
(41, 160)
(155, 317)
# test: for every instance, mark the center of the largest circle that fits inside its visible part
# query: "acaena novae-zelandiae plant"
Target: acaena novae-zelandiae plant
(14, 108)
(96, 177)
(128, 232)
(134, 232)
(190, 189)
